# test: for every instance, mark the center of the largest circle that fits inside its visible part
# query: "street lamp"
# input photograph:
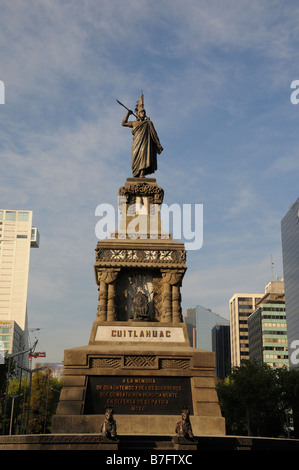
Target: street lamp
(12, 410)
(10, 356)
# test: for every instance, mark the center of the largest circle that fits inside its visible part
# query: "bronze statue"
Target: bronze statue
(108, 428)
(146, 144)
(183, 427)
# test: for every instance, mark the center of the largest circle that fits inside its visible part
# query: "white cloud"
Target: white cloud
(286, 164)
(212, 286)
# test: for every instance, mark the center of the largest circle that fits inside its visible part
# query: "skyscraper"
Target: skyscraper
(221, 348)
(17, 236)
(202, 320)
(240, 307)
(267, 329)
(290, 257)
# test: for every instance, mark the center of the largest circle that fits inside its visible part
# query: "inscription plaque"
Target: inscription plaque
(156, 333)
(138, 395)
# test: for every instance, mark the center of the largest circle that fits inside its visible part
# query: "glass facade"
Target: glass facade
(11, 336)
(23, 216)
(221, 348)
(267, 333)
(10, 216)
(290, 256)
(202, 320)
(205, 321)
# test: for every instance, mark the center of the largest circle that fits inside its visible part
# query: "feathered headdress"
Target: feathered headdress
(139, 105)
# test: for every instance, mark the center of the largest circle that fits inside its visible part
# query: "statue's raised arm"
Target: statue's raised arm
(146, 144)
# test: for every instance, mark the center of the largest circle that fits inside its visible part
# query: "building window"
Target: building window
(10, 215)
(23, 216)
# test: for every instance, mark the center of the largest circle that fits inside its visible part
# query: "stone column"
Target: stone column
(176, 304)
(102, 305)
(166, 297)
(111, 302)
(171, 297)
(106, 306)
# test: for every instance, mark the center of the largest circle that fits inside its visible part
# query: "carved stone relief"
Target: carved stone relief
(135, 296)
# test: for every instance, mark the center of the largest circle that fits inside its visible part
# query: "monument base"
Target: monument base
(143, 445)
(144, 425)
(147, 373)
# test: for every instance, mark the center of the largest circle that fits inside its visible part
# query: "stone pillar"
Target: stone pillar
(176, 304)
(166, 297)
(106, 306)
(111, 302)
(102, 305)
(171, 297)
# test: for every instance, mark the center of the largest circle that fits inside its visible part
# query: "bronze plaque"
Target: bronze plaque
(138, 395)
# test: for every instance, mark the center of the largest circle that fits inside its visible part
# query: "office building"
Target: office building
(17, 236)
(290, 257)
(221, 348)
(11, 339)
(267, 330)
(200, 321)
(241, 305)
(190, 320)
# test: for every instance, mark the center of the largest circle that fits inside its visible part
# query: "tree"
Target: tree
(44, 399)
(235, 418)
(7, 371)
(35, 402)
(288, 383)
(250, 400)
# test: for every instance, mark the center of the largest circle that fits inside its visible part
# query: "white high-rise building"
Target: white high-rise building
(17, 236)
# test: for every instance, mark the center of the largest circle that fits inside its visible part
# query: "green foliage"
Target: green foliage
(6, 373)
(44, 400)
(255, 398)
(34, 404)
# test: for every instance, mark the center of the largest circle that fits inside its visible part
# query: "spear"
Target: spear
(126, 108)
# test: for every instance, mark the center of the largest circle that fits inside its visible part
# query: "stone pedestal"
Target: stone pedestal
(139, 360)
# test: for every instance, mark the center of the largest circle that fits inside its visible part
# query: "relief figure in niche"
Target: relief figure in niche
(140, 293)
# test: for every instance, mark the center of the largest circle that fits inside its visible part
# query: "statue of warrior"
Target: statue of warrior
(183, 427)
(146, 144)
(108, 427)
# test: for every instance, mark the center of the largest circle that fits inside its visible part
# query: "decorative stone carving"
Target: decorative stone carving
(140, 362)
(171, 297)
(140, 307)
(108, 428)
(162, 256)
(106, 305)
(142, 189)
(108, 275)
(183, 428)
(126, 256)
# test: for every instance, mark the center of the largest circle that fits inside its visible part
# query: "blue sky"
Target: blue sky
(216, 79)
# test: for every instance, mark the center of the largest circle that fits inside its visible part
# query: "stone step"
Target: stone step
(145, 442)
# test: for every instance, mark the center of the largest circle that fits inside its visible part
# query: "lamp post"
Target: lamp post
(10, 356)
(12, 410)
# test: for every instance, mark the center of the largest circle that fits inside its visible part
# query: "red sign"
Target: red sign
(38, 354)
